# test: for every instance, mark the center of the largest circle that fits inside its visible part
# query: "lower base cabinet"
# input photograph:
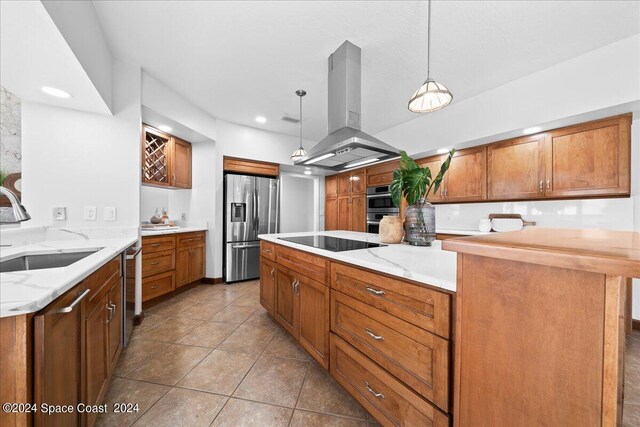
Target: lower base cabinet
(268, 284)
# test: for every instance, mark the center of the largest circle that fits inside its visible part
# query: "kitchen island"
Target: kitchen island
(378, 318)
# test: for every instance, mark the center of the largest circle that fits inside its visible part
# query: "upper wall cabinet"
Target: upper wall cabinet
(592, 159)
(251, 167)
(166, 160)
(465, 181)
(382, 174)
(516, 168)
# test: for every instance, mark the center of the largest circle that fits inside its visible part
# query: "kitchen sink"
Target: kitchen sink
(42, 261)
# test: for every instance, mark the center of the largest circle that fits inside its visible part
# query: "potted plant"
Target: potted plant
(414, 183)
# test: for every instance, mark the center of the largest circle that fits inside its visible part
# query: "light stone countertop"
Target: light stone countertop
(428, 265)
(29, 291)
(145, 233)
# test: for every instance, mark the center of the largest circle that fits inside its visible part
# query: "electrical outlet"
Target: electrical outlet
(60, 214)
(109, 214)
(184, 216)
(90, 213)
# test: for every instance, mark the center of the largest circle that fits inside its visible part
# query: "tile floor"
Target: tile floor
(212, 356)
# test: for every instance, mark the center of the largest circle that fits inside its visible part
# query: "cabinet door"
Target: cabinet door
(344, 184)
(466, 179)
(97, 356)
(267, 284)
(359, 182)
(344, 213)
(331, 186)
(183, 263)
(516, 169)
(331, 214)
(286, 309)
(181, 164)
(359, 213)
(197, 266)
(114, 321)
(156, 151)
(314, 318)
(58, 357)
(589, 159)
(434, 164)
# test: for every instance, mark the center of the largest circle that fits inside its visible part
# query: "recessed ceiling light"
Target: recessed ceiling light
(529, 131)
(307, 172)
(444, 150)
(55, 92)
(261, 119)
(165, 128)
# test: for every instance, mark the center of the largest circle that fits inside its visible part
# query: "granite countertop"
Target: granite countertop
(173, 230)
(427, 265)
(29, 291)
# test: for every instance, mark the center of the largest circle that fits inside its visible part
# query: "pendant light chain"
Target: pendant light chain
(300, 152)
(429, 40)
(301, 120)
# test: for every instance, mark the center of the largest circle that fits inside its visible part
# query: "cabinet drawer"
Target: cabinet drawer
(158, 244)
(157, 285)
(101, 281)
(268, 250)
(418, 305)
(190, 239)
(386, 398)
(96, 297)
(312, 266)
(417, 357)
(158, 262)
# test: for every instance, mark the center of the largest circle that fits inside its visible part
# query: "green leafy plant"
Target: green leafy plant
(414, 182)
(3, 175)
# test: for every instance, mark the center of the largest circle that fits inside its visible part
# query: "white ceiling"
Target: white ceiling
(237, 60)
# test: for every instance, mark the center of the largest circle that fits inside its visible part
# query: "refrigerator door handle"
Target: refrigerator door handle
(254, 245)
(256, 217)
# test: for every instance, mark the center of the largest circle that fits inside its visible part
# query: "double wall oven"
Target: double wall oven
(379, 204)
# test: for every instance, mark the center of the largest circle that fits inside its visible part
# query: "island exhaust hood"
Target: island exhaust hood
(346, 146)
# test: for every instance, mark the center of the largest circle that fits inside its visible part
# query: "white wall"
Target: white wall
(565, 90)
(298, 203)
(74, 159)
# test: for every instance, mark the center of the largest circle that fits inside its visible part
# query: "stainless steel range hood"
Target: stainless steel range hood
(346, 146)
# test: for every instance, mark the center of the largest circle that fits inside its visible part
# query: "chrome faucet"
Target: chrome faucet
(19, 212)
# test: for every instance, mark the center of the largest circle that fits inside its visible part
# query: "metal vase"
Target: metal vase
(420, 223)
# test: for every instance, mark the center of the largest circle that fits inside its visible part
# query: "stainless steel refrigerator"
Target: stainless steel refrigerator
(251, 207)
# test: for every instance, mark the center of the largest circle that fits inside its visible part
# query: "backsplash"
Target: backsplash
(610, 214)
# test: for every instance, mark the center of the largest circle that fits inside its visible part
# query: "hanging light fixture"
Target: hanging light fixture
(431, 96)
(300, 152)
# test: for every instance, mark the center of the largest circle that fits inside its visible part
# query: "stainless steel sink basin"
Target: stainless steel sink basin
(38, 262)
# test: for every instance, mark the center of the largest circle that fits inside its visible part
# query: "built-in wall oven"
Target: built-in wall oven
(379, 204)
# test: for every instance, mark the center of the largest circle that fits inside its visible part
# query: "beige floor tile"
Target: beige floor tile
(283, 345)
(169, 307)
(321, 393)
(220, 372)
(128, 391)
(136, 353)
(170, 331)
(632, 384)
(274, 380)
(183, 407)
(312, 419)
(233, 314)
(200, 311)
(171, 365)
(248, 339)
(248, 300)
(631, 415)
(260, 317)
(238, 413)
(208, 334)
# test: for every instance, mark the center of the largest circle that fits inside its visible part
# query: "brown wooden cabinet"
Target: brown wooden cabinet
(97, 356)
(181, 164)
(591, 159)
(348, 211)
(344, 213)
(382, 174)
(286, 307)
(331, 213)
(190, 264)
(59, 356)
(434, 164)
(166, 160)
(313, 320)
(358, 213)
(331, 186)
(466, 179)
(516, 168)
(252, 167)
(268, 284)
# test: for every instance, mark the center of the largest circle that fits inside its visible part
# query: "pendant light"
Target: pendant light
(300, 152)
(431, 96)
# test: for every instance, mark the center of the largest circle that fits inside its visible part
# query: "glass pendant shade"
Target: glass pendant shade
(431, 96)
(298, 154)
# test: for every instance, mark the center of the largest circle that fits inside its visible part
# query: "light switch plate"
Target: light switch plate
(109, 213)
(90, 213)
(60, 214)
(184, 216)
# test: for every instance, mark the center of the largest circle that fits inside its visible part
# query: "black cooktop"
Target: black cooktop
(333, 244)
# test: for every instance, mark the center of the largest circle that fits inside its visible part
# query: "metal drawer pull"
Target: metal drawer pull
(110, 313)
(272, 271)
(540, 186)
(374, 336)
(69, 308)
(155, 263)
(374, 291)
(155, 245)
(372, 391)
(267, 251)
(548, 185)
(154, 286)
